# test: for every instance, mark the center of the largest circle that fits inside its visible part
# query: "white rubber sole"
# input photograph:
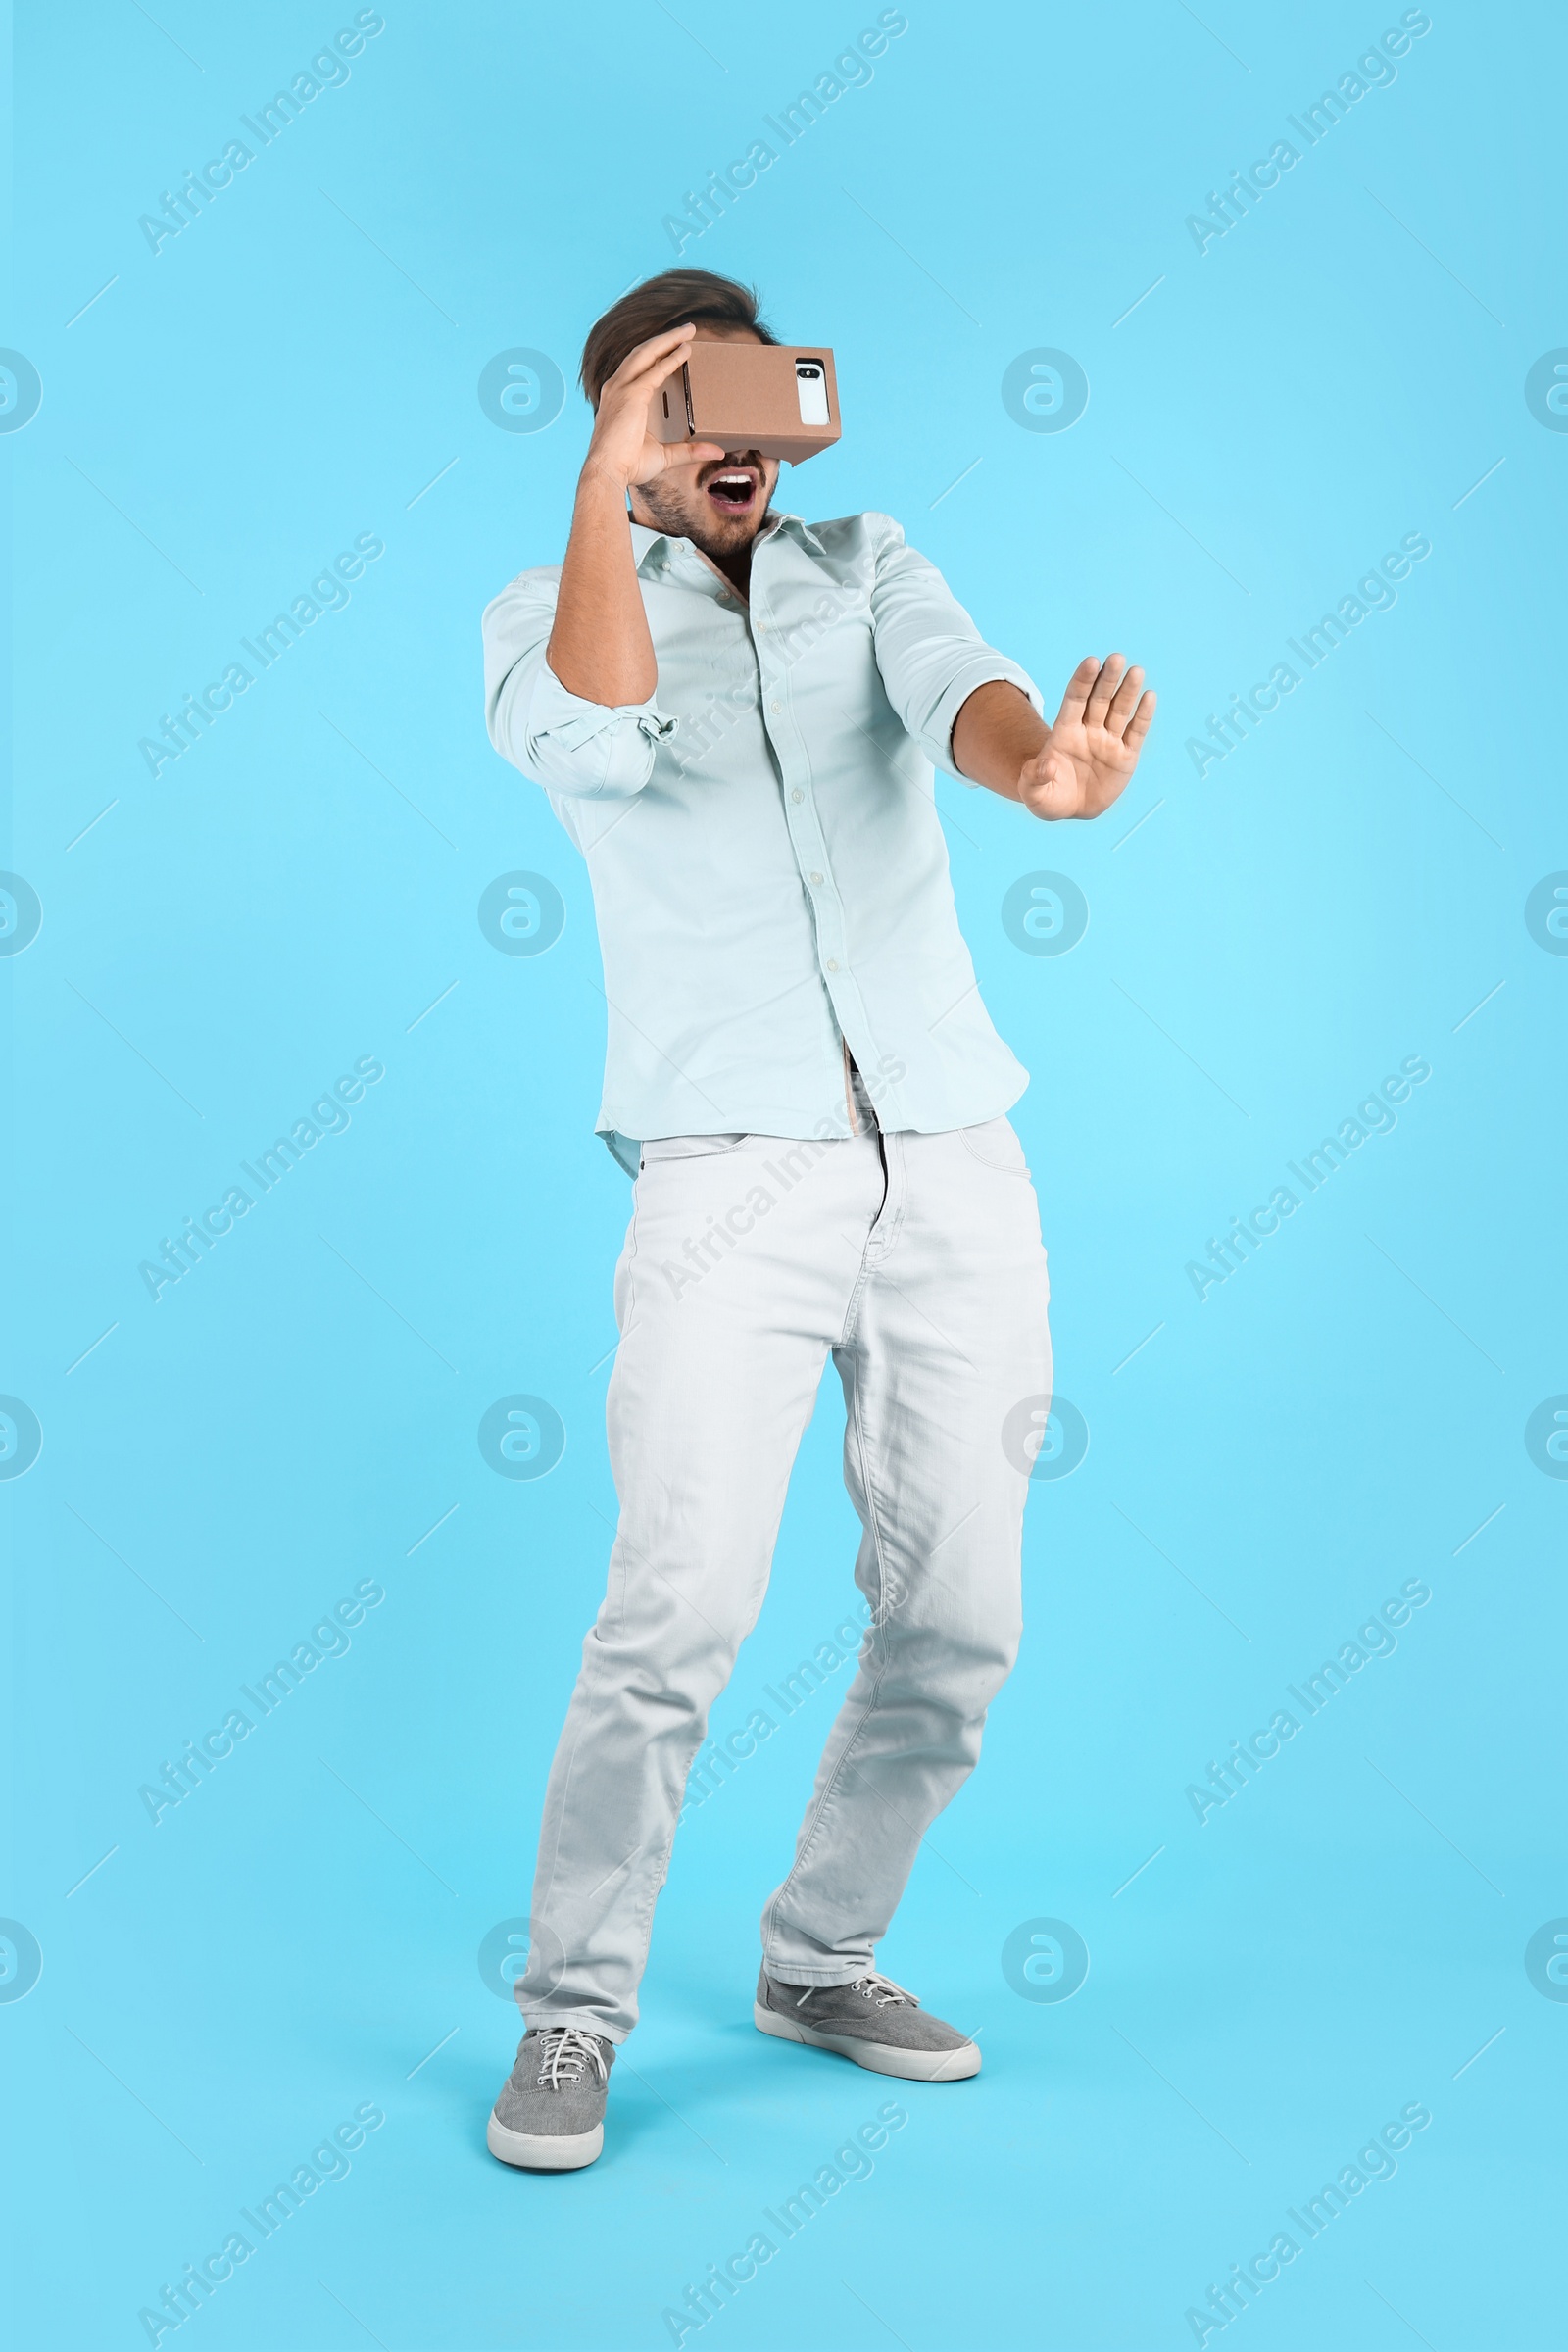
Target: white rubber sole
(543, 2152)
(910, 2065)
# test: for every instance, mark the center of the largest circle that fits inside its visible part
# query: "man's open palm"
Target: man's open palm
(1093, 745)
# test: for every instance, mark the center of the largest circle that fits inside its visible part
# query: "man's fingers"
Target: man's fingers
(661, 370)
(655, 348)
(1139, 724)
(1077, 693)
(1104, 687)
(1124, 701)
(658, 347)
(657, 456)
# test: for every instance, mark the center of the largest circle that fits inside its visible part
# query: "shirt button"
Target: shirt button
(832, 963)
(762, 628)
(817, 878)
(775, 708)
(797, 794)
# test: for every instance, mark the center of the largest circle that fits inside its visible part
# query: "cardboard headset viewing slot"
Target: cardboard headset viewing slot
(749, 396)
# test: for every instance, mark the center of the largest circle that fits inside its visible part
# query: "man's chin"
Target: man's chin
(710, 530)
(717, 533)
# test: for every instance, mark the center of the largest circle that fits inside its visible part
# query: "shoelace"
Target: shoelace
(563, 2053)
(872, 1987)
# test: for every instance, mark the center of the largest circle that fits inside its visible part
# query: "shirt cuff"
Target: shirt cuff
(613, 742)
(977, 673)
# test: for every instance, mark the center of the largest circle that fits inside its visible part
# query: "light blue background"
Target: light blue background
(300, 889)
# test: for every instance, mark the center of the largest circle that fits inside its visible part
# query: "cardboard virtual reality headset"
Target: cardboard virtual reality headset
(778, 398)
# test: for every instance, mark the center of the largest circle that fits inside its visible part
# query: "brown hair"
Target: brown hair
(659, 302)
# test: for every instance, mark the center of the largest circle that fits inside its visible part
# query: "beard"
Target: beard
(690, 514)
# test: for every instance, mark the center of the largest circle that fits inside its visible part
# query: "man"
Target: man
(735, 717)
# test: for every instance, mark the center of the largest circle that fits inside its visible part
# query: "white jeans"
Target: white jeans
(917, 1260)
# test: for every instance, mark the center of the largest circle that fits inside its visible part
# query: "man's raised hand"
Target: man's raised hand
(624, 451)
(1093, 746)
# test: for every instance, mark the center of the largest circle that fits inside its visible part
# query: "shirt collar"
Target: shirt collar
(645, 544)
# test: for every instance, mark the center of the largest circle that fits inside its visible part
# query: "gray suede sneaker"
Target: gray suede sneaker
(549, 2117)
(872, 2021)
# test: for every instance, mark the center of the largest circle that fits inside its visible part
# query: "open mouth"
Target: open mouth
(733, 489)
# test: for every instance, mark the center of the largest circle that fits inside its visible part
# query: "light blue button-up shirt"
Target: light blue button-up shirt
(768, 869)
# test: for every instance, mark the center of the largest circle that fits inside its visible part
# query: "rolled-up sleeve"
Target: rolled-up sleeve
(929, 652)
(598, 749)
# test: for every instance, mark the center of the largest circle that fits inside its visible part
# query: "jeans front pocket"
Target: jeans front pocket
(994, 1145)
